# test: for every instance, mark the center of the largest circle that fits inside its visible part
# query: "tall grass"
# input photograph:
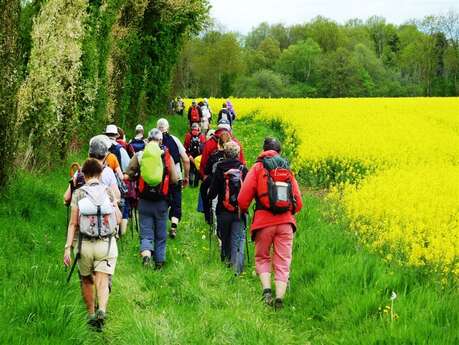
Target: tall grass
(339, 293)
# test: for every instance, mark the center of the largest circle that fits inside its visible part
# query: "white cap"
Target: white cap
(139, 128)
(163, 125)
(111, 129)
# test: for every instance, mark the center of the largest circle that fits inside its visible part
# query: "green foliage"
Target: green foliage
(264, 83)
(10, 72)
(417, 59)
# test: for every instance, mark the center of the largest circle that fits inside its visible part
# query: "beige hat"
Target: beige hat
(111, 130)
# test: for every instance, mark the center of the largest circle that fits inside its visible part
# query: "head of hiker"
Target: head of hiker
(139, 130)
(195, 128)
(112, 131)
(98, 146)
(231, 150)
(163, 125)
(91, 169)
(271, 144)
(223, 139)
(155, 135)
(224, 125)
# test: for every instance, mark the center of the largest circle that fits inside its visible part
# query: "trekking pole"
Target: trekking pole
(210, 237)
(246, 218)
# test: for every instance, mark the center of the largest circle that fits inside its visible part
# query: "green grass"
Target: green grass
(337, 294)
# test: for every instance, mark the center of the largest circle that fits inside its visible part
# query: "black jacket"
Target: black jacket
(217, 187)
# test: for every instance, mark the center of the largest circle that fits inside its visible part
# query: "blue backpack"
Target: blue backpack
(137, 144)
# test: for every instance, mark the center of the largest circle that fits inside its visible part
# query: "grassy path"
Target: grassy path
(339, 293)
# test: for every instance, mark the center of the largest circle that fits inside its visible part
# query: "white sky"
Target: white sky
(242, 15)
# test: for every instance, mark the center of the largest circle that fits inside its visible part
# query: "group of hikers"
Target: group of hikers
(148, 174)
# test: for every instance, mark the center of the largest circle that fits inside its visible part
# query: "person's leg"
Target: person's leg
(146, 228)
(263, 243)
(160, 226)
(175, 213)
(101, 283)
(205, 200)
(87, 290)
(282, 258)
(224, 233)
(237, 244)
(124, 221)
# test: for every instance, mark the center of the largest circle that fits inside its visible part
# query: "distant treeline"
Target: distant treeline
(325, 59)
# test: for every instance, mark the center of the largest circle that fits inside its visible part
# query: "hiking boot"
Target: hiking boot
(159, 266)
(146, 261)
(93, 323)
(173, 231)
(278, 304)
(100, 318)
(267, 297)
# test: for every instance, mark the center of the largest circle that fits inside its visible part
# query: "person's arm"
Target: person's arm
(70, 236)
(186, 168)
(189, 114)
(297, 196)
(248, 190)
(118, 215)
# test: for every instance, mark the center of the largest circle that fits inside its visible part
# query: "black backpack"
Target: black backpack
(195, 146)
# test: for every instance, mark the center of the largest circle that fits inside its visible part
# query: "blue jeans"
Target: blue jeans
(231, 231)
(153, 227)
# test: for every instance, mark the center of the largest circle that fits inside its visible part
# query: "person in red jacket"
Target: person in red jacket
(194, 142)
(269, 228)
(212, 145)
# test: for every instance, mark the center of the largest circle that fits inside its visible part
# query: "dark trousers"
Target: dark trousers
(194, 175)
(176, 201)
(153, 227)
(231, 231)
(205, 185)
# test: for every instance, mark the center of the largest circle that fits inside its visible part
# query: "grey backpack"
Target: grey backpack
(97, 214)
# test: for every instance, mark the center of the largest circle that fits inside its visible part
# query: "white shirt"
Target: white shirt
(182, 151)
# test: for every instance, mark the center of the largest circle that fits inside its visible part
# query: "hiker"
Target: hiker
(178, 153)
(94, 217)
(226, 184)
(209, 205)
(122, 141)
(155, 170)
(225, 114)
(121, 154)
(98, 149)
(194, 113)
(212, 144)
(273, 186)
(230, 108)
(193, 143)
(138, 142)
(206, 117)
(179, 106)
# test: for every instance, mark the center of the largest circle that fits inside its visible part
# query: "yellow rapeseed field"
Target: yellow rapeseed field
(393, 164)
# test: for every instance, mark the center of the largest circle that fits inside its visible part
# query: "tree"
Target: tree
(299, 60)
(10, 68)
(325, 32)
(264, 83)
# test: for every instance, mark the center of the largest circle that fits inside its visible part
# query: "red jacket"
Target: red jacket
(264, 218)
(211, 145)
(187, 142)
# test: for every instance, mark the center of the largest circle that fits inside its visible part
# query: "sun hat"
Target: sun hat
(111, 130)
(224, 124)
(138, 128)
(99, 145)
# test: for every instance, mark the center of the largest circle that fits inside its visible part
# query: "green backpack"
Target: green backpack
(151, 165)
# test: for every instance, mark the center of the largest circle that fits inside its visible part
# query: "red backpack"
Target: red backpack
(195, 115)
(274, 186)
(233, 183)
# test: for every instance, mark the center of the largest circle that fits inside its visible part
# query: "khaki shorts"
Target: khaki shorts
(94, 257)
